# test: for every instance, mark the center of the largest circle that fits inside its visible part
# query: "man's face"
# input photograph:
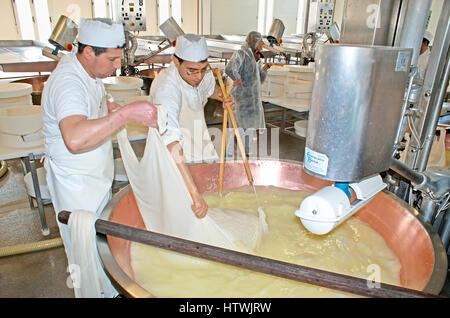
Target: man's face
(424, 46)
(191, 72)
(106, 63)
(259, 46)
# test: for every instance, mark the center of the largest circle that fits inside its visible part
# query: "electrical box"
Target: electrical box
(325, 11)
(132, 14)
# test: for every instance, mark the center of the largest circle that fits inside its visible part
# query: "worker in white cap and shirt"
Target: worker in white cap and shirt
(425, 53)
(78, 122)
(184, 88)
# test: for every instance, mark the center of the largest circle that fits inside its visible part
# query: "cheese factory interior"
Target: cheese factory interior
(354, 96)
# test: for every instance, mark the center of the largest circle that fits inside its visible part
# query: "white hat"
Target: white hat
(428, 36)
(101, 33)
(192, 48)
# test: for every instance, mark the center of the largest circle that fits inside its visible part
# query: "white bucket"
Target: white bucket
(120, 173)
(43, 188)
(298, 89)
(300, 72)
(20, 120)
(300, 127)
(20, 142)
(15, 94)
(273, 86)
(123, 87)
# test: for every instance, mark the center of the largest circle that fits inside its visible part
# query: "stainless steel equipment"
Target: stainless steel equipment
(355, 110)
(275, 32)
(24, 56)
(171, 30)
(64, 34)
(132, 14)
(369, 22)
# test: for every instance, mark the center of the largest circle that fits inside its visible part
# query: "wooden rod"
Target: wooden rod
(224, 140)
(299, 273)
(236, 130)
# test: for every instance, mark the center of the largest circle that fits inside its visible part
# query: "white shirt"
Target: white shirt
(422, 62)
(166, 90)
(69, 91)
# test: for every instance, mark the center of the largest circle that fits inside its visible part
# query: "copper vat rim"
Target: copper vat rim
(130, 288)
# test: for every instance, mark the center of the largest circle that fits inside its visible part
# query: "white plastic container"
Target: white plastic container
(20, 120)
(15, 94)
(120, 173)
(43, 187)
(123, 87)
(300, 127)
(20, 142)
(273, 86)
(298, 89)
(300, 72)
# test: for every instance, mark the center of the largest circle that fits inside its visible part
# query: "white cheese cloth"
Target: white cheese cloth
(88, 277)
(165, 203)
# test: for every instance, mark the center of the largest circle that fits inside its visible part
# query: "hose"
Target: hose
(30, 247)
(3, 168)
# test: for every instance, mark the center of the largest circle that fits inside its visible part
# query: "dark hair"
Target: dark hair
(181, 60)
(97, 50)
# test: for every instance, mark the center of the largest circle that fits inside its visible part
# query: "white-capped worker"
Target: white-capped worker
(425, 53)
(248, 72)
(78, 121)
(184, 88)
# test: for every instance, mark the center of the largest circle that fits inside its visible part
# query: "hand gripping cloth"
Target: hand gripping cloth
(165, 203)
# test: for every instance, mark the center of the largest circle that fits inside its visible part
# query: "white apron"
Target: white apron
(196, 142)
(80, 181)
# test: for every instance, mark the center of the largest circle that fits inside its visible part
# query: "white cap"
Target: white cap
(191, 48)
(427, 35)
(101, 33)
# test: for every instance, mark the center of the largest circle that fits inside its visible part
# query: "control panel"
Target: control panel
(325, 12)
(132, 14)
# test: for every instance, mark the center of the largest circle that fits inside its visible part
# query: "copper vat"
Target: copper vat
(418, 248)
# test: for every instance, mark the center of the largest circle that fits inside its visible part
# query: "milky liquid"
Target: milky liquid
(353, 248)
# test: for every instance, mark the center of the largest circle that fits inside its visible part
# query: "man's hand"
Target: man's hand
(143, 112)
(228, 102)
(199, 207)
(267, 66)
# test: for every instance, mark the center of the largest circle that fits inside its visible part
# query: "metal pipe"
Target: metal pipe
(430, 129)
(428, 105)
(428, 209)
(406, 172)
(445, 234)
(261, 264)
(306, 16)
(400, 132)
(414, 26)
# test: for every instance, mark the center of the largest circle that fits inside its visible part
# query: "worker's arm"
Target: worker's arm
(80, 133)
(199, 207)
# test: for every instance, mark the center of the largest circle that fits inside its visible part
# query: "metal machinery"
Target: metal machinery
(62, 37)
(357, 90)
(366, 95)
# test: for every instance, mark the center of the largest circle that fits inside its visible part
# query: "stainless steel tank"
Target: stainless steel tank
(64, 33)
(171, 29)
(355, 110)
(419, 249)
(276, 31)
